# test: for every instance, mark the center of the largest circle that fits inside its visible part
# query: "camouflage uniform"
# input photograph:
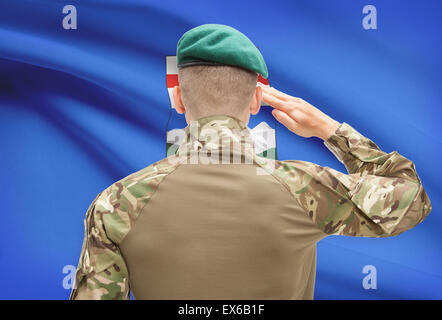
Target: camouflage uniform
(127, 228)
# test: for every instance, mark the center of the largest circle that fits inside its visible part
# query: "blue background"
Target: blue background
(81, 109)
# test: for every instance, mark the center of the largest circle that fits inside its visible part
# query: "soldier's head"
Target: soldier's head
(206, 90)
(218, 70)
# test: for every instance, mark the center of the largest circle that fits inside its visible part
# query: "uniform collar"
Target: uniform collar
(217, 133)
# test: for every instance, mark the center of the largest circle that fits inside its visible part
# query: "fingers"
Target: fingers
(275, 93)
(285, 119)
(275, 102)
(279, 94)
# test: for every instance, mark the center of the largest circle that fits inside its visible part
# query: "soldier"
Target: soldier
(216, 221)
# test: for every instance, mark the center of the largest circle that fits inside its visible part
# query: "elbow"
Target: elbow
(416, 213)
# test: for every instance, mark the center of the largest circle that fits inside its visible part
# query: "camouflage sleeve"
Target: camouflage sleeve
(381, 196)
(102, 273)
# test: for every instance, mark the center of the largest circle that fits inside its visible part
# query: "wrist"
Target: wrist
(328, 129)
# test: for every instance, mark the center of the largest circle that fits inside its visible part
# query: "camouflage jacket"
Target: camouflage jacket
(381, 196)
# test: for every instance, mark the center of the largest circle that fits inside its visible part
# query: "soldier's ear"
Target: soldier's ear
(179, 106)
(255, 104)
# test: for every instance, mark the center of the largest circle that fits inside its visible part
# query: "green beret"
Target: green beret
(217, 44)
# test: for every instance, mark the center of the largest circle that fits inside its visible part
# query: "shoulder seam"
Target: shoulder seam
(153, 194)
(281, 181)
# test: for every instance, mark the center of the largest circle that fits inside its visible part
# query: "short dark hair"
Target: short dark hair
(208, 89)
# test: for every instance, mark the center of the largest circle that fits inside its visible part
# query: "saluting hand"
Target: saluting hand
(298, 115)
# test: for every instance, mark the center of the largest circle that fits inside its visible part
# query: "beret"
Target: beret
(218, 44)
